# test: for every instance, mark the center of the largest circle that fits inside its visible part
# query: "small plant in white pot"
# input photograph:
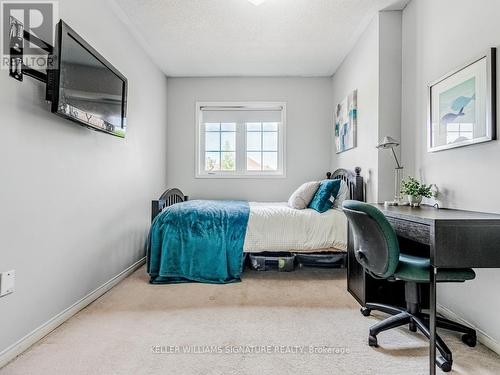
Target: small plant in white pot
(415, 191)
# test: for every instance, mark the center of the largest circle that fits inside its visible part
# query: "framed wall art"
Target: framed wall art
(462, 105)
(346, 123)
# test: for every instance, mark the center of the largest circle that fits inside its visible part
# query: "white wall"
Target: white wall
(75, 204)
(308, 134)
(373, 67)
(439, 36)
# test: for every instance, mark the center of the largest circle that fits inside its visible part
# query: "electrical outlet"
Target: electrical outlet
(7, 282)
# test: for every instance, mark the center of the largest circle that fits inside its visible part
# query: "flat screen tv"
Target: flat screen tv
(84, 87)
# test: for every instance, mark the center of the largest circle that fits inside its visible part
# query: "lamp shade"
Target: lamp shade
(388, 142)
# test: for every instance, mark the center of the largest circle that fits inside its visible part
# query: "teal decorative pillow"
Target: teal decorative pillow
(321, 201)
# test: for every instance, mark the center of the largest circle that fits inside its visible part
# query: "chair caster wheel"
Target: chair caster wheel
(372, 341)
(365, 311)
(469, 339)
(412, 327)
(443, 364)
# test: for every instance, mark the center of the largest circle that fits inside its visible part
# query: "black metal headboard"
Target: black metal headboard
(168, 198)
(354, 182)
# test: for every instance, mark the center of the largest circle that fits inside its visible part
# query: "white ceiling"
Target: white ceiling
(189, 38)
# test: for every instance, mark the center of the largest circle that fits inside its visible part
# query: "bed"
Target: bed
(275, 227)
(257, 228)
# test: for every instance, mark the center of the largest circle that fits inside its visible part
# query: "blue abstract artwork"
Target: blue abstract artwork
(346, 123)
(457, 111)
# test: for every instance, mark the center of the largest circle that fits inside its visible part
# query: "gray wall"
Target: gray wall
(373, 67)
(439, 36)
(389, 116)
(359, 71)
(308, 140)
(75, 203)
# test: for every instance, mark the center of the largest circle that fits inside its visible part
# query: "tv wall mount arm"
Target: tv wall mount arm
(17, 37)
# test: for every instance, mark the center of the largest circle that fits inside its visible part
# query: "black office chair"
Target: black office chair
(377, 249)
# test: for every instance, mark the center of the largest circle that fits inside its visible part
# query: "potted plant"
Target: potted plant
(414, 190)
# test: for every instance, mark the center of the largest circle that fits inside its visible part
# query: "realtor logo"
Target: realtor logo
(35, 17)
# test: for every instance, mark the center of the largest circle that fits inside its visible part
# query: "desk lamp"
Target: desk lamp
(390, 143)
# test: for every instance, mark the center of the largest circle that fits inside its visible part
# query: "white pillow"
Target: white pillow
(341, 195)
(301, 197)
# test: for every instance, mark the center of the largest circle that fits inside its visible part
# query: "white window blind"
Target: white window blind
(240, 115)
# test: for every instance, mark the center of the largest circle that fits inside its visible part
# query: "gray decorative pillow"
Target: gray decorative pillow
(301, 197)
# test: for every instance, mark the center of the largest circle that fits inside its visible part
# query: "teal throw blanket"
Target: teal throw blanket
(199, 240)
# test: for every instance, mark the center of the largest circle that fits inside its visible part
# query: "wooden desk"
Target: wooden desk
(451, 238)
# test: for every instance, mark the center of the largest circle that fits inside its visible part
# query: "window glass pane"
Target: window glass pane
(254, 126)
(228, 126)
(212, 141)
(228, 161)
(228, 141)
(270, 141)
(212, 127)
(254, 141)
(212, 161)
(270, 126)
(270, 161)
(254, 161)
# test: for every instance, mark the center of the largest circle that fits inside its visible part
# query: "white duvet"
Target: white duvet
(277, 227)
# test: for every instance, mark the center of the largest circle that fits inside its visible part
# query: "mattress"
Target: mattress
(277, 227)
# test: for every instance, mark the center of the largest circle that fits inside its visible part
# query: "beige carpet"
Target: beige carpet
(281, 311)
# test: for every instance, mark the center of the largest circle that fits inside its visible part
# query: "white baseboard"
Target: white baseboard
(482, 337)
(31, 338)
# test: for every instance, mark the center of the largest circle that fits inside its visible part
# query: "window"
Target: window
(240, 140)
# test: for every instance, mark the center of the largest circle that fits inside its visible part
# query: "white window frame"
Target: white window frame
(240, 171)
